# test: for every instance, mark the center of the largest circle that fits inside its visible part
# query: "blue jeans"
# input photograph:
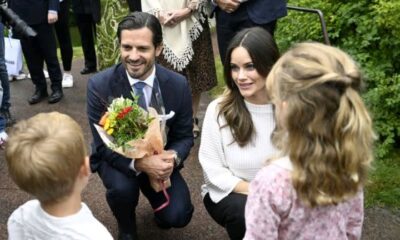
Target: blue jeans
(5, 85)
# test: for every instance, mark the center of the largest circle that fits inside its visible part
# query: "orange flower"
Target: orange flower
(103, 119)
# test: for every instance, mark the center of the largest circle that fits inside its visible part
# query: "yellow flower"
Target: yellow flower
(110, 131)
(107, 124)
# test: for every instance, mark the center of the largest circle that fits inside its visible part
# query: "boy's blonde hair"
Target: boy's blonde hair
(45, 154)
(327, 131)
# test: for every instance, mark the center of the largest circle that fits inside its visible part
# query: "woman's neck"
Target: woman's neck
(259, 99)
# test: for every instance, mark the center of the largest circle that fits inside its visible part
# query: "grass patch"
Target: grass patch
(384, 188)
(75, 37)
(76, 44)
(218, 90)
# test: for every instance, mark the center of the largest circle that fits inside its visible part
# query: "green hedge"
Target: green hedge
(369, 31)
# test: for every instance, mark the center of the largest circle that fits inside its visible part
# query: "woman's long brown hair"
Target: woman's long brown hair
(264, 53)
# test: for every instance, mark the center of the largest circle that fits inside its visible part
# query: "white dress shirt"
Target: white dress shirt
(147, 90)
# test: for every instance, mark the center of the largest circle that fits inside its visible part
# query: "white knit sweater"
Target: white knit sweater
(224, 162)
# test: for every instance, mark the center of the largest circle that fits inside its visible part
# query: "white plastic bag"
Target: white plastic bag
(13, 56)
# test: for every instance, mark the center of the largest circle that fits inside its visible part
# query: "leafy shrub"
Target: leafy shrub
(369, 31)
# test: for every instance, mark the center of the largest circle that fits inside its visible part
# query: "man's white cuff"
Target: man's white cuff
(132, 167)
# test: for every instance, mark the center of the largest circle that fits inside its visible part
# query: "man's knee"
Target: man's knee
(177, 218)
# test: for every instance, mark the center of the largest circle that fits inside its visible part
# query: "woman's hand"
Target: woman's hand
(242, 187)
(174, 17)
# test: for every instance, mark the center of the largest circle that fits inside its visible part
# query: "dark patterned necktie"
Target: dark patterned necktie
(139, 92)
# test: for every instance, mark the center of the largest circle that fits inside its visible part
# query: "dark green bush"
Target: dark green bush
(369, 31)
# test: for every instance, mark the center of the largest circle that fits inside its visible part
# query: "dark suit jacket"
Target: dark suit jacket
(113, 83)
(134, 5)
(265, 11)
(33, 11)
(92, 7)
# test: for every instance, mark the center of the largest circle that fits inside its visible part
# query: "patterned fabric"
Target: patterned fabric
(107, 42)
(200, 72)
(273, 211)
(178, 47)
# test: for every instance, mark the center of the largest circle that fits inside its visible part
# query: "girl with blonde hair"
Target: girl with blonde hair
(315, 190)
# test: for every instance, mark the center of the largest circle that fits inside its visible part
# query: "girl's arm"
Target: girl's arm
(268, 200)
(356, 216)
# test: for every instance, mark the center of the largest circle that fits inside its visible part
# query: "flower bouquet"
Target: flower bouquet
(132, 132)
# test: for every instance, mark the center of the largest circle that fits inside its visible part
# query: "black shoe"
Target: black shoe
(38, 96)
(55, 96)
(7, 116)
(161, 224)
(130, 235)
(87, 70)
(126, 236)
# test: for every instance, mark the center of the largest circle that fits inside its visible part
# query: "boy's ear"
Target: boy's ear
(85, 168)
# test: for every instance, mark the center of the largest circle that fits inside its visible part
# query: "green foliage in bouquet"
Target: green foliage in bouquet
(125, 121)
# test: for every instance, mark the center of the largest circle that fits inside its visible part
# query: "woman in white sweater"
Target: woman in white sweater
(237, 129)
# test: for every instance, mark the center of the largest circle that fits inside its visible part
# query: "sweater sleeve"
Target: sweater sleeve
(270, 198)
(219, 179)
(356, 216)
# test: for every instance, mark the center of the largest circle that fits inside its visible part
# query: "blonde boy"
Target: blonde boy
(47, 158)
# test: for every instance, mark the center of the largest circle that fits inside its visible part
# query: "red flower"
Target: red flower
(124, 112)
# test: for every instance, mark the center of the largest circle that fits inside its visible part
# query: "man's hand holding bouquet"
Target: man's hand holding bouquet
(134, 133)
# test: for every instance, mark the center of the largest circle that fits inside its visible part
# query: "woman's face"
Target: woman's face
(249, 82)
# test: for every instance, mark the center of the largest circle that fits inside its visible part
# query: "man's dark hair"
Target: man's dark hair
(138, 20)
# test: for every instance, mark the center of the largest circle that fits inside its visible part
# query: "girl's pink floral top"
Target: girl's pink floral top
(273, 210)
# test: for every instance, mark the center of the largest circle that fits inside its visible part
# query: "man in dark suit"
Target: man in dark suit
(39, 15)
(87, 15)
(140, 38)
(134, 5)
(235, 15)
